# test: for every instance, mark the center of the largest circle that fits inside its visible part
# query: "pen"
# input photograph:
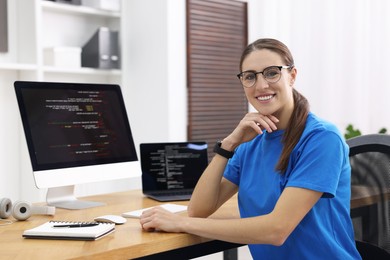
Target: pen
(76, 225)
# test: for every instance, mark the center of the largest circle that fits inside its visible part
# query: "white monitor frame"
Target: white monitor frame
(61, 182)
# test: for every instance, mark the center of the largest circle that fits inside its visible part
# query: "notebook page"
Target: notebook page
(174, 208)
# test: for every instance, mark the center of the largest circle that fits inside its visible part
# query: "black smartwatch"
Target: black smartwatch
(221, 151)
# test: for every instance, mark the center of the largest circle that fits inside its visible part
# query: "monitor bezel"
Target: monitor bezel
(21, 85)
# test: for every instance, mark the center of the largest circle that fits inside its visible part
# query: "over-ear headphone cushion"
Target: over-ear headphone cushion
(21, 210)
(5, 208)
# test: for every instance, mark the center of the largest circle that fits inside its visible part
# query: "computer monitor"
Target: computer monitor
(76, 133)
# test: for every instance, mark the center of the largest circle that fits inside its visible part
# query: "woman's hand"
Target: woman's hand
(250, 126)
(159, 219)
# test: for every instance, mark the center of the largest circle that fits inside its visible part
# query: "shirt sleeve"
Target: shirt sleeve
(318, 163)
(232, 170)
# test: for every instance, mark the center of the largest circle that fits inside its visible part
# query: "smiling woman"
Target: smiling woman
(289, 167)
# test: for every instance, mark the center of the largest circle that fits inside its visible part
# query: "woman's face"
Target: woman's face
(270, 98)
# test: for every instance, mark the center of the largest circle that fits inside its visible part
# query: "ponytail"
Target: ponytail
(294, 130)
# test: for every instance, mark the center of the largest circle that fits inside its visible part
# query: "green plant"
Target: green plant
(352, 132)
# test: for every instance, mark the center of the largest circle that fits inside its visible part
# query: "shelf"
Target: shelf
(77, 9)
(38, 26)
(85, 71)
(48, 69)
(17, 66)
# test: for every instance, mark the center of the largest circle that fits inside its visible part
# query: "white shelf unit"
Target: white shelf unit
(73, 9)
(38, 24)
(34, 25)
(18, 66)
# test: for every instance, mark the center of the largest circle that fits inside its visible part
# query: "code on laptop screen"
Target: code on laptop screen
(172, 165)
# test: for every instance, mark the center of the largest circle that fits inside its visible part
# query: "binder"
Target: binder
(102, 50)
(48, 231)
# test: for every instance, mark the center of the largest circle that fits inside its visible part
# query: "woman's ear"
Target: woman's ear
(293, 75)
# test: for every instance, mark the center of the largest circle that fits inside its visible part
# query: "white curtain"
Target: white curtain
(341, 50)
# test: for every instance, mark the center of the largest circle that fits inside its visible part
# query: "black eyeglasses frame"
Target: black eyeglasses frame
(239, 75)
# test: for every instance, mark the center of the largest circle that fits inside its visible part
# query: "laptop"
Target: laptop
(171, 170)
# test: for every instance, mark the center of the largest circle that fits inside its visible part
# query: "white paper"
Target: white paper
(174, 208)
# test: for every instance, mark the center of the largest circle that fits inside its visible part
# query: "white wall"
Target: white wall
(156, 79)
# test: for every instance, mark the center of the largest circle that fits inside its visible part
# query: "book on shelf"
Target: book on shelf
(70, 230)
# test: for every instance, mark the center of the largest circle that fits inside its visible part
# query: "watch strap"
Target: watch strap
(219, 150)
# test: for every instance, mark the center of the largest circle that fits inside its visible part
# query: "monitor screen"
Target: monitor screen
(70, 129)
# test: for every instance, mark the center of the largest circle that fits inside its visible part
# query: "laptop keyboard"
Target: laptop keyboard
(172, 193)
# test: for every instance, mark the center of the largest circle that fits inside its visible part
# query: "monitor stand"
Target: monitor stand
(63, 197)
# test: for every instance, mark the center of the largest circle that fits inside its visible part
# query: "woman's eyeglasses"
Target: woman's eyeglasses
(271, 74)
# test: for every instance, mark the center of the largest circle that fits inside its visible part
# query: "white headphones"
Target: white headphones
(22, 210)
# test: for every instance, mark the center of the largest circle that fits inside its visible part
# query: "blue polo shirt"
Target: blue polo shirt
(320, 162)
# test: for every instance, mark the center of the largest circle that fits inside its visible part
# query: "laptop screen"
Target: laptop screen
(172, 166)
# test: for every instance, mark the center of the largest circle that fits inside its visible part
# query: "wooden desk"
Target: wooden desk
(127, 242)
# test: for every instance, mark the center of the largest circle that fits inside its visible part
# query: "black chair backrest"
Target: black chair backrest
(370, 163)
(370, 252)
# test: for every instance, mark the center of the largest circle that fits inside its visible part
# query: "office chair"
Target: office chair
(370, 181)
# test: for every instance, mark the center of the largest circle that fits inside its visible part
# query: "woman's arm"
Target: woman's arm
(212, 190)
(273, 228)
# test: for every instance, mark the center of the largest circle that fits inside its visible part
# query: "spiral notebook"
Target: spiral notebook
(67, 230)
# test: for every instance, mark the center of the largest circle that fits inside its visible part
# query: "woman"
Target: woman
(290, 168)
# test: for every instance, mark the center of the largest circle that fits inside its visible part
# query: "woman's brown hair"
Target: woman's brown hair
(297, 122)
